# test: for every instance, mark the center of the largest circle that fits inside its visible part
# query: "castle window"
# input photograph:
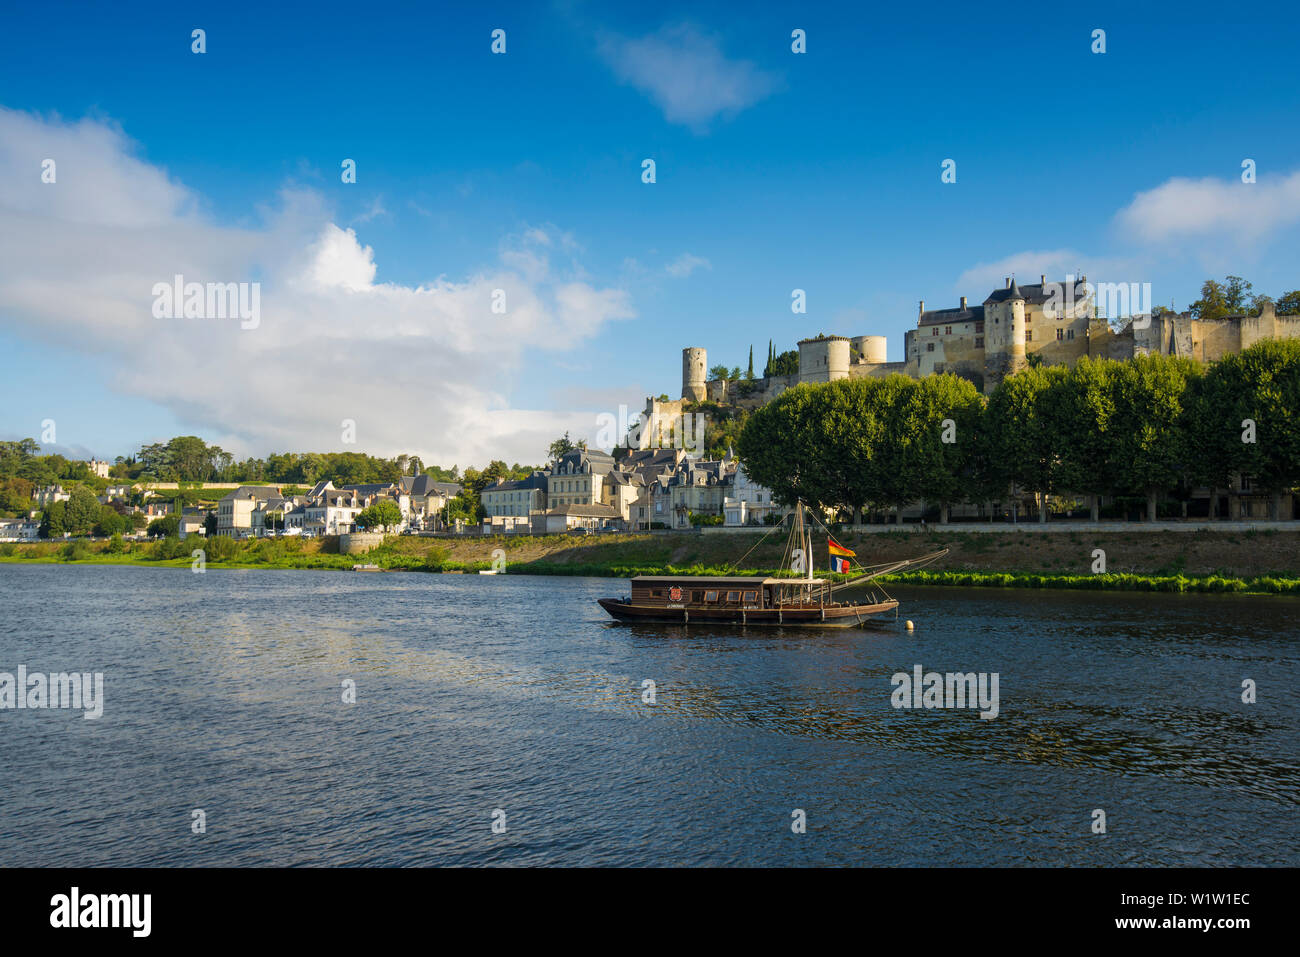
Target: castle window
(979, 342)
(929, 347)
(934, 331)
(979, 327)
(947, 330)
(1069, 334)
(1060, 334)
(1029, 336)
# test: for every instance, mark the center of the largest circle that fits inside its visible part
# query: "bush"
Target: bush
(115, 545)
(435, 559)
(75, 551)
(220, 548)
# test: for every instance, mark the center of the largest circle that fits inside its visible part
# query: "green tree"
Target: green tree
(563, 445)
(779, 443)
(943, 438)
(749, 373)
(1149, 427)
(54, 522)
(1024, 432)
(1288, 304)
(787, 363)
(719, 372)
(1085, 414)
(1245, 414)
(109, 522)
(1213, 303)
(1229, 298)
(165, 527)
(383, 514)
(82, 511)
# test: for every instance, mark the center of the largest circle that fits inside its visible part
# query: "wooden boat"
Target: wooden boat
(800, 600)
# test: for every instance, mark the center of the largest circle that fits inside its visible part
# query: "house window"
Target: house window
(1069, 334)
(979, 342)
(1060, 334)
(751, 596)
(929, 347)
(710, 596)
(947, 330)
(934, 331)
(1029, 336)
(979, 327)
(697, 596)
(733, 596)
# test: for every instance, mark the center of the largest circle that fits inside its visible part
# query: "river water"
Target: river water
(514, 699)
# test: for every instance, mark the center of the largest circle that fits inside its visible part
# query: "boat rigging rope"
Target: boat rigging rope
(887, 566)
(735, 566)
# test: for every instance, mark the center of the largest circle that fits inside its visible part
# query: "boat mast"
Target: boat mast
(807, 544)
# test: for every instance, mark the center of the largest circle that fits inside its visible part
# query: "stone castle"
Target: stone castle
(1058, 322)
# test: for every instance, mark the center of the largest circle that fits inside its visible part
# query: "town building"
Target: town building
(235, 510)
(509, 506)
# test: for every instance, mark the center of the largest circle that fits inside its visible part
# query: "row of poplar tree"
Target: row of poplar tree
(1148, 427)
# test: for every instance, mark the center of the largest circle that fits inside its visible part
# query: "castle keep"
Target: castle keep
(1058, 322)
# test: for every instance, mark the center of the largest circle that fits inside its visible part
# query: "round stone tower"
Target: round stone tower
(694, 375)
(871, 348)
(823, 359)
(1016, 334)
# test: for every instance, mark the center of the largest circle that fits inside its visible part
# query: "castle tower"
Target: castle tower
(871, 348)
(694, 375)
(823, 359)
(1016, 334)
(1004, 329)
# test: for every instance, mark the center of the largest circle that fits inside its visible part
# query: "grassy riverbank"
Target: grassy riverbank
(1264, 562)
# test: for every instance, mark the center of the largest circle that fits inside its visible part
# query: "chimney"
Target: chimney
(1008, 282)
(963, 302)
(922, 309)
(1042, 279)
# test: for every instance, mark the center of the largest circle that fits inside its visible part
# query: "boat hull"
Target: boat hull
(808, 616)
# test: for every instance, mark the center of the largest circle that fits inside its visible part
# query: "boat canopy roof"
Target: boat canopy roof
(703, 580)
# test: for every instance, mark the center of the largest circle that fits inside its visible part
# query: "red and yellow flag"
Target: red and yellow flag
(837, 549)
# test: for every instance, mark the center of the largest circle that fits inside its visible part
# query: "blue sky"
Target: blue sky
(775, 171)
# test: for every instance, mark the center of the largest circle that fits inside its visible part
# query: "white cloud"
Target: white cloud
(421, 369)
(338, 260)
(1183, 208)
(685, 264)
(685, 73)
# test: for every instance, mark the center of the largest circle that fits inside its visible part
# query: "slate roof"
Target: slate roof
(425, 485)
(580, 461)
(252, 491)
(535, 481)
(933, 317)
(1034, 295)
